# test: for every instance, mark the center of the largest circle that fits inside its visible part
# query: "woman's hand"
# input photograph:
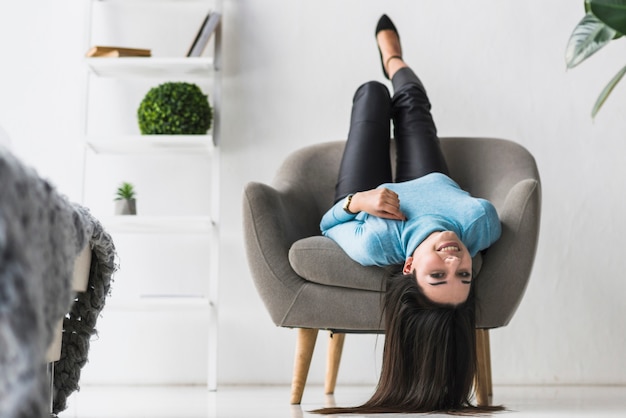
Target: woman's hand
(381, 202)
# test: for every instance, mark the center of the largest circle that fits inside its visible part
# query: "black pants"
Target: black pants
(366, 161)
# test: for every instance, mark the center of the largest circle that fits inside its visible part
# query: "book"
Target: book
(207, 28)
(116, 51)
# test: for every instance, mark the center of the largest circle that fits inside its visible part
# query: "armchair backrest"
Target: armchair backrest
(310, 175)
(485, 167)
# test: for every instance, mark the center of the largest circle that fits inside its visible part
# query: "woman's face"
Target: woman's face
(443, 267)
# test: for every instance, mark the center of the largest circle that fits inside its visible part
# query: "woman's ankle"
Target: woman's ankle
(393, 64)
(389, 46)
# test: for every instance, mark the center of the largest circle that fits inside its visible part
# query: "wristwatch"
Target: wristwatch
(346, 204)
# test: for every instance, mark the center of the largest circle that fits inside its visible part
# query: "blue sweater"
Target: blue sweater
(431, 203)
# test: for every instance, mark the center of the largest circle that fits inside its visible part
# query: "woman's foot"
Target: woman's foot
(389, 46)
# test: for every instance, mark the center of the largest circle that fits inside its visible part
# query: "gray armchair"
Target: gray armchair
(307, 282)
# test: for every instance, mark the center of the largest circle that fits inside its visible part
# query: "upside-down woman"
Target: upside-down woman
(422, 220)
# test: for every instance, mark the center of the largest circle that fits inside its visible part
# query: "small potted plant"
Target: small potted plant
(125, 203)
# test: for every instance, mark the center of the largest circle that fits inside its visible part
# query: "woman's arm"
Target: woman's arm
(380, 202)
(335, 216)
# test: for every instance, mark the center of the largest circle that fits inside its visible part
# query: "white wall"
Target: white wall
(492, 68)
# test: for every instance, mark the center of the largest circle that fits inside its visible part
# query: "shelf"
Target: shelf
(158, 224)
(152, 144)
(145, 303)
(153, 1)
(142, 67)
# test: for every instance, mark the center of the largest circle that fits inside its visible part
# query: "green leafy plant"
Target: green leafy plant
(604, 21)
(126, 191)
(175, 108)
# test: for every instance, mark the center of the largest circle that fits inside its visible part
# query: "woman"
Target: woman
(423, 221)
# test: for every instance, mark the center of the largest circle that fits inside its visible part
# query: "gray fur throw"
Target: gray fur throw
(41, 233)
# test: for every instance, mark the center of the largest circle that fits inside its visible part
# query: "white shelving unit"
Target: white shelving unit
(155, 69)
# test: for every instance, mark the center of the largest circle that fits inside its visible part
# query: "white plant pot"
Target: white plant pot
(126, 207)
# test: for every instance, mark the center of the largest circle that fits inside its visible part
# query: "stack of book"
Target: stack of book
(116, 51)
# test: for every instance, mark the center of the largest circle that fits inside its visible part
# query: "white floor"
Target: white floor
(273, 401)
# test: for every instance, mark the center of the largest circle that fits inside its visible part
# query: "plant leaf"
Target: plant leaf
(611, 12)
(607, 90)
(588, 10)
(588, 37)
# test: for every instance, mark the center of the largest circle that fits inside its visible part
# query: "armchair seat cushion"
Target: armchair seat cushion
(320, 260)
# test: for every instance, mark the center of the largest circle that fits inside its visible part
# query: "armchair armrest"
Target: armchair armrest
(507, 263)
(273, 221)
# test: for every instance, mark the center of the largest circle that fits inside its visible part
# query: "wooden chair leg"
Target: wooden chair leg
(483, 368)
(304, 352)
(488, 364)
(335, 347)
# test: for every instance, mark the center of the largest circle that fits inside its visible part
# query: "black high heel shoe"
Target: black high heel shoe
(384, 23)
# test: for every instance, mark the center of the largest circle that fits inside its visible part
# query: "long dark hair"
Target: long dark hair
(429, 357)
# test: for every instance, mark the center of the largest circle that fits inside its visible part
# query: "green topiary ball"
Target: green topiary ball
(175, 108)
